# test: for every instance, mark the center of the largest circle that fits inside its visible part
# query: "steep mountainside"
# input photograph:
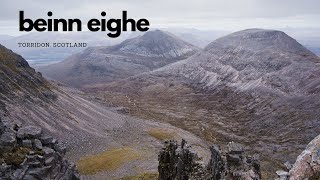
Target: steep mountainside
(19, 82)
(144, 53)
(257, 87)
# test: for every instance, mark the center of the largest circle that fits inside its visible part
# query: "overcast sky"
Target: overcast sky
(230, 15)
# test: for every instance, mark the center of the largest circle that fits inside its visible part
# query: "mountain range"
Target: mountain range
(134, 56)
(257, 87)
(200, 38)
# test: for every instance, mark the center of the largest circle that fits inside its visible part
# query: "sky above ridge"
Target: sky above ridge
(227, 15)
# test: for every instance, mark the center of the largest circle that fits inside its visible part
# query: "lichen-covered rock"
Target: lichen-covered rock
(307, 165)
(27, 158)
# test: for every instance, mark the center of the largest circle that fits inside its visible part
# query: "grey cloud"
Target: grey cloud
(197, 13)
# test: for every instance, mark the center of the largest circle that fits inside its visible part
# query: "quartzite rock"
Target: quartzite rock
(29, 132)
(307, 165)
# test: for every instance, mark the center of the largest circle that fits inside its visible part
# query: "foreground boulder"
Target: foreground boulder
(307, 165)
(27, 154)
(178, 162)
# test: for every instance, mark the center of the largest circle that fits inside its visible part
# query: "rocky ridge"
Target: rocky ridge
(26, 153)
(267, 60)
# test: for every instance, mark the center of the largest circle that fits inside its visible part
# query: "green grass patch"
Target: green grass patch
(16, 156)
(107, 160)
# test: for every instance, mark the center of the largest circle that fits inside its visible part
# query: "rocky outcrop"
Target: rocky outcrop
(233, 163)
(26, 153)
(307, 165)
(178, 162)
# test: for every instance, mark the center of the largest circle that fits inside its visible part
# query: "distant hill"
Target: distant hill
(105, 64)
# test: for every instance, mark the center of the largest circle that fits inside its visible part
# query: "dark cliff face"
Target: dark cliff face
(18, 81)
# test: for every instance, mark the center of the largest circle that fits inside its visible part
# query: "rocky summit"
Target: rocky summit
(26, 153)
(144, 53)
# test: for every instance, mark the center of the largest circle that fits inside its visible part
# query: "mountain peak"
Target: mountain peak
(157, 34)
(258, 40)
(156, 43)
